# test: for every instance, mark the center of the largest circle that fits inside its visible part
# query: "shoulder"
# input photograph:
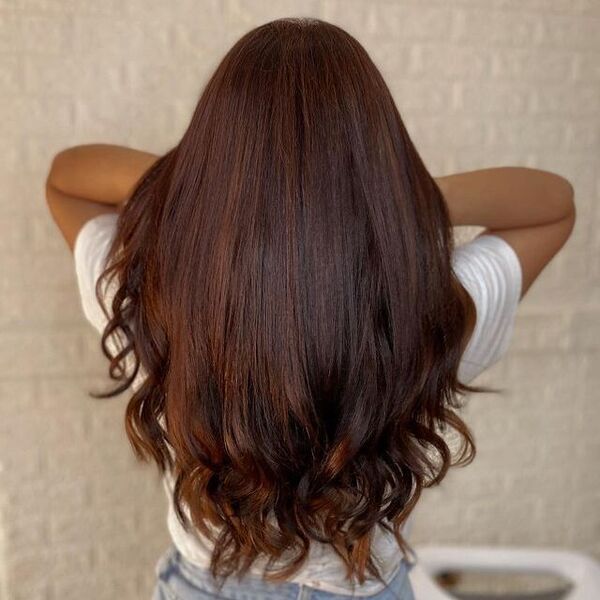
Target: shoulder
(490, 272)
(90, 253)
(99, 228)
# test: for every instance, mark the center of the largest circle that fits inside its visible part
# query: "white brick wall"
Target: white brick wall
(477, 83)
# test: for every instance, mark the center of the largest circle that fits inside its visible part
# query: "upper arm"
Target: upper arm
(106, 173)
(536, 245)
(497, 268)
(90, 179)
(90, 258)
(70, 213)
(490, 271)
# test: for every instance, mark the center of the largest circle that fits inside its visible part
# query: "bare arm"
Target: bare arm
(533, 210)
(84, 181)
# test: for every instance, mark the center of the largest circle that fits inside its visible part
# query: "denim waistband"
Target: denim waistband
(187, 581)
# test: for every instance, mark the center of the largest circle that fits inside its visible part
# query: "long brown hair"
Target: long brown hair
(285, 284)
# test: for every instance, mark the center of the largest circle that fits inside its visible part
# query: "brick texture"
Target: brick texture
(478, 84)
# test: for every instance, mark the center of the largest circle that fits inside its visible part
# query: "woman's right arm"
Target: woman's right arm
(533, 210)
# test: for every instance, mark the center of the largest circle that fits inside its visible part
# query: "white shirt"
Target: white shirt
(490, 271)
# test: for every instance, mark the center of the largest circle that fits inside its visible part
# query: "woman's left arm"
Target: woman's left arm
(91, 179)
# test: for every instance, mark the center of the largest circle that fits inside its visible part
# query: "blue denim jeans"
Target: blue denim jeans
(178, 579)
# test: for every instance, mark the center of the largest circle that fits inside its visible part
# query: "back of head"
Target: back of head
(286, 285)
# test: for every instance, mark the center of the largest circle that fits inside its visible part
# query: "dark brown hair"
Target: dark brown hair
(285, 284)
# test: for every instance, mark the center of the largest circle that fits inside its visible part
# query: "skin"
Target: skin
(532, 209)
(88, 180)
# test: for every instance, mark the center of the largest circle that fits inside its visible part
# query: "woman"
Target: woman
(282, 293)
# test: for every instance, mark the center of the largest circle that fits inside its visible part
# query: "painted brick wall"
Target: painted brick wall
(478, 84)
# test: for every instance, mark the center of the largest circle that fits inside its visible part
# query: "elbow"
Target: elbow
(568, 221)
(53, 171)
(571, 210)
(51, 187)
(564, 193)
(571, 218)
(561, 196)
(54, 186)
(58, 167)
(569, 195)
(557, 190)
